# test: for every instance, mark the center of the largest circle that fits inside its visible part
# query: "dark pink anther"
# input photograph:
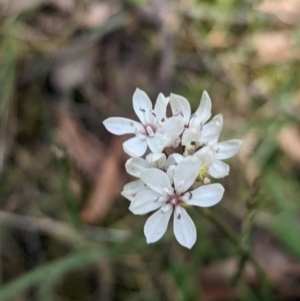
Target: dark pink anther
(150, 130)
(174, 199)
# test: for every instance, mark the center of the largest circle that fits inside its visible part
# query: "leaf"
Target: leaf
(287, 230)
(51, 270)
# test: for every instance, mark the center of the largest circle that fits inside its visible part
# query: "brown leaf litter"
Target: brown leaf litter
(286, 10)
(282, 271)
(289, 140)
(99, 165)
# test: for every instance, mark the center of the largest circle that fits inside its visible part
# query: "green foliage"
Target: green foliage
(285, 194)
(206, 45)
(49, 273)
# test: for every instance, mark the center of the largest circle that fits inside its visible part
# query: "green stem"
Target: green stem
(236, 241)
(221, 225)
(247, 225)
(244, 246)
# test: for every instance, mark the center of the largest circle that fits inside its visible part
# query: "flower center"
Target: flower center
(174, 199)
(173, 203)
(150, 130)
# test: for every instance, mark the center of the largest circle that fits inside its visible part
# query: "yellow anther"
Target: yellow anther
(206, 181)
(203, 173)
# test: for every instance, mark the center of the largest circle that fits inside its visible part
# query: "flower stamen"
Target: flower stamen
(174, 199)
(150, 130)
(178, 212)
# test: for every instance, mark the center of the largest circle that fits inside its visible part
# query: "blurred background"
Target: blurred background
(66, 65)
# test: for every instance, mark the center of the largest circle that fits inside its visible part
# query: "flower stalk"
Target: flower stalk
(244, 252)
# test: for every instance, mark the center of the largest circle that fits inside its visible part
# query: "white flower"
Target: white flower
(214, 153)
(168, 194)
(135, 166)
(195, 128)
(155, 130)
(131, 189)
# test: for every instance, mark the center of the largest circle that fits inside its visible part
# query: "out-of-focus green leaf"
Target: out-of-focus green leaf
(281, 190)
(8, 59)
(51, 270)
(137, 2)
(184, 279)
(285, 225)
(113, 23)
(287, 230)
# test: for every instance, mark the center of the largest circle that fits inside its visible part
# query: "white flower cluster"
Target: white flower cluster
(169, 183)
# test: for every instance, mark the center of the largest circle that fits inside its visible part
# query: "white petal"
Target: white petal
(190, 135)
(134, 166)
(203, 112)
(144, 202)
(131, 189)
(205, 196)
(206, 154)
(158, 160)
(121, 126)
(184, 229)
(156, 225)
(211, 132)
(152, 158)
(157, 180)
(174, 159)
(219, 119)
(180, 106)
(161, 107)
(218, 169)
(156, 143)
(171, 129)
(142, 104)
(135, 147)
(227, 149)
(185, 174)
(170, 173)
